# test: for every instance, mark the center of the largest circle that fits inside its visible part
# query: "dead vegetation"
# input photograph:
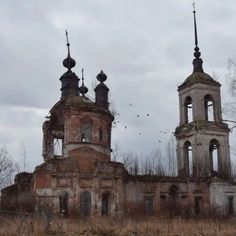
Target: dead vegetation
(117, 227)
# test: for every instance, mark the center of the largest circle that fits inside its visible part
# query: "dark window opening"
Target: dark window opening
(188, 158)
(198, 205)
(148, 205)
(105, 204)
(85, 204)
(100, 135)
(209, 108)
(188, 111)
(57, 147)
(214, 155)
(86, 130)
(230, 205)
(173, 200)
(63, 203)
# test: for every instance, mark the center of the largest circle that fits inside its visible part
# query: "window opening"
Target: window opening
(57, 147)
(63, 203)
(188, 156)
(188, 110)
(105, 204)
(214, 155)
(85, 204)
(230, 205)
(148, 205)
(209, 108)
(198, 204)
(173, 200)
(86, 132)
(100, 134)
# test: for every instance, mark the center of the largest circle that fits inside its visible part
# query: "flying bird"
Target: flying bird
(148, 114)
(138, 115)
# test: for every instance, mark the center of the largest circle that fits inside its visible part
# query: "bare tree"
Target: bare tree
(8, 168)
(171, 157)
(116, 154)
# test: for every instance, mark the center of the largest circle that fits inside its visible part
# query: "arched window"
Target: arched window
(85, 204)
(188, 111)
(86, 130)
(188, 158)
(209, 108)
(214, 155)
(63, 203)
(100, 134)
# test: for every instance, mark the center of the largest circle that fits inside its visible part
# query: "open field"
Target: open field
(121, 227)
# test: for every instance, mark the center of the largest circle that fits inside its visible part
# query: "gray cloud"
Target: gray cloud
(145, 49)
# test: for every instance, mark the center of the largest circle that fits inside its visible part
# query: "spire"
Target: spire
(83, 89)
(68, 62)
(69, 80)
(197, 61)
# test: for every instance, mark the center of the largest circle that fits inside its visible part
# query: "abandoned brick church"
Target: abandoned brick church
(82, 179)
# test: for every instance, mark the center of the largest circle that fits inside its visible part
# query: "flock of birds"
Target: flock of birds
(124, 125)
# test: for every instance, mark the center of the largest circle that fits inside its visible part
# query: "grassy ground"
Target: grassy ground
(122, 227)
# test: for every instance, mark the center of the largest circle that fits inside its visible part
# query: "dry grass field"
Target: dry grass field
(118, 227)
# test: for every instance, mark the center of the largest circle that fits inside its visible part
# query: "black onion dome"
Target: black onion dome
(101, 76)
(69, 62)
(83, 89)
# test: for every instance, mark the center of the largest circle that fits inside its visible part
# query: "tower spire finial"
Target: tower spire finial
(68, 62)
(67, 43)
(195, 24)
(197, 61)
(83, 89)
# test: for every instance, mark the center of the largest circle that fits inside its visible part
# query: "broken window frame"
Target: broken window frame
(209, 103)
(188, 110)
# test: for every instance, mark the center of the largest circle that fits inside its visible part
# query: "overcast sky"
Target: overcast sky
(144, 47)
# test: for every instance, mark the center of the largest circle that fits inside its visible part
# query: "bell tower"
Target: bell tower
(202, 136)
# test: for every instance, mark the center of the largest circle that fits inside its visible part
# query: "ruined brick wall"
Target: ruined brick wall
(70, 176)
(153, 195)
(18, 197)
(220, 193)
